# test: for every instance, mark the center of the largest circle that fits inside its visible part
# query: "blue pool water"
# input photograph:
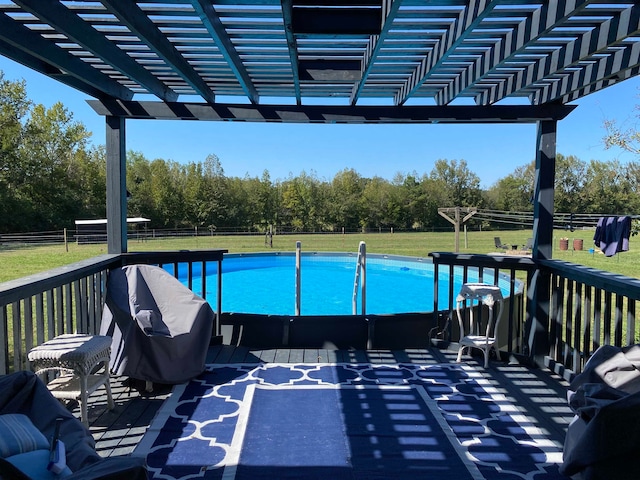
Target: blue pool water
(265, 284)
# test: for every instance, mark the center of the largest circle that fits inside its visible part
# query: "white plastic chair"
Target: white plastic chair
(472, 335)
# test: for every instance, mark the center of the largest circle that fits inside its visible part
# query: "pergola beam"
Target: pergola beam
(214, 26)
(455, 35)
(389, 11)
(134, 18)
(535, 25)
(609, 69)
(31, 50)
(624, 74)
(292, 45)
(361, 52)
(564, 61)
(332, 114)
(64, 20)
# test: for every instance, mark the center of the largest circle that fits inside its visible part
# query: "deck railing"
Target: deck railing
(588, 307)
(488, 269)
(70, 299)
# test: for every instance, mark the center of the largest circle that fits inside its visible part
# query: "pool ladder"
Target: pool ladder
(360, 279)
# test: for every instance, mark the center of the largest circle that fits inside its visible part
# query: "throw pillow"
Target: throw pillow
(19, 435)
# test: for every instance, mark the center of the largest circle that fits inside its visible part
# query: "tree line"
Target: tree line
(51, 175)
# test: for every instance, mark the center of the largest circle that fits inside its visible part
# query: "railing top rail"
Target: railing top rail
(171, 256)
(17, 289)
(621, 284)
(481, 260)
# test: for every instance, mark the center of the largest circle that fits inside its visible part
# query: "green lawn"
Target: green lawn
(24, 261)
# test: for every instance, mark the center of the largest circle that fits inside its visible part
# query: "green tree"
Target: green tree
(90, 173)
(205, 193)
(168, 198)
(461, 185)
(376, 200)
(261, 201)
(411, 193)
(346, 200)
(611, 188)
(433, 196)
(269, 199)
(303, 202)
(140, 202)
(14, 107)
(514, 192)
(52, 145)
(238, 208)
(569, 183)
(215, 190)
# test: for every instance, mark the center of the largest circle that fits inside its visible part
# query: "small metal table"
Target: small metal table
(83, 364)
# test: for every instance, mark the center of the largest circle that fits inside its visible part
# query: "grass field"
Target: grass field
(25, 261)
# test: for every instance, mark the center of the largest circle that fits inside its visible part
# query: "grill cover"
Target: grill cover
(160, 329)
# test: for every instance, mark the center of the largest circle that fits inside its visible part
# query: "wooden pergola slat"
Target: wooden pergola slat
(360, 53)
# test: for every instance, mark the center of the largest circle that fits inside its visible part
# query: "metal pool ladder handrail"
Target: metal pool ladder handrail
(361, 271)
(298, 279)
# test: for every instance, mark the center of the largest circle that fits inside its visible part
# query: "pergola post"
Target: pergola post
(116, 185)
(539, 291)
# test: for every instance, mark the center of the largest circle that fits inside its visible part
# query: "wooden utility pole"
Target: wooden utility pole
(470, 212)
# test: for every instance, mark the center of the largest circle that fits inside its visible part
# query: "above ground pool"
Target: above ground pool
(265, 283)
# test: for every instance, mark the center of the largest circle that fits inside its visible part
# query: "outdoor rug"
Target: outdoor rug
(345, 421)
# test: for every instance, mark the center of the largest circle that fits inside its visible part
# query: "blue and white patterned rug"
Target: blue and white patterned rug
(345, 421)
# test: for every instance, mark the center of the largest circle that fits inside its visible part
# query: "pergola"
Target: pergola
(329, 61)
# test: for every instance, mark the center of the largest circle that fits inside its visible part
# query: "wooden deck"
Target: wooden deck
(539, 394)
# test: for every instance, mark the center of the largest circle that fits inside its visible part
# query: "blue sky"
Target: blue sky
(491, 151)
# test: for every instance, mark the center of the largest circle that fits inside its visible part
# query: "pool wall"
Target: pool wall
(416, 329)
(401, 330)
(393, 331)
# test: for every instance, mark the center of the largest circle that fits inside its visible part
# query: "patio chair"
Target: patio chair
(499, 244)
(160, 329)
(29, 413)
(529, 245)
(472, 335)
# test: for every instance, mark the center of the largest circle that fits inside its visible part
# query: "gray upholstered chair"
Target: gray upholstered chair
(24, 393)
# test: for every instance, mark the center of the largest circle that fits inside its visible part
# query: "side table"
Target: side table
(83, 362)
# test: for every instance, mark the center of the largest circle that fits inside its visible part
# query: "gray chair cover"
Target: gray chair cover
(23, 392)
(161, 330)
(603, 440)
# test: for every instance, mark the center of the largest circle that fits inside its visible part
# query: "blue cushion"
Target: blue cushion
(34, 464)
(19, 435)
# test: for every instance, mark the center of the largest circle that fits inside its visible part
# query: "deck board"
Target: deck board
(282, 356)
(296, 356)
(540, 395)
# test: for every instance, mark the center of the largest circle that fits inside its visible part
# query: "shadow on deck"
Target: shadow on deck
(540, 395)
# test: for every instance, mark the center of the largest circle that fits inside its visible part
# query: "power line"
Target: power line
(561, 220)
